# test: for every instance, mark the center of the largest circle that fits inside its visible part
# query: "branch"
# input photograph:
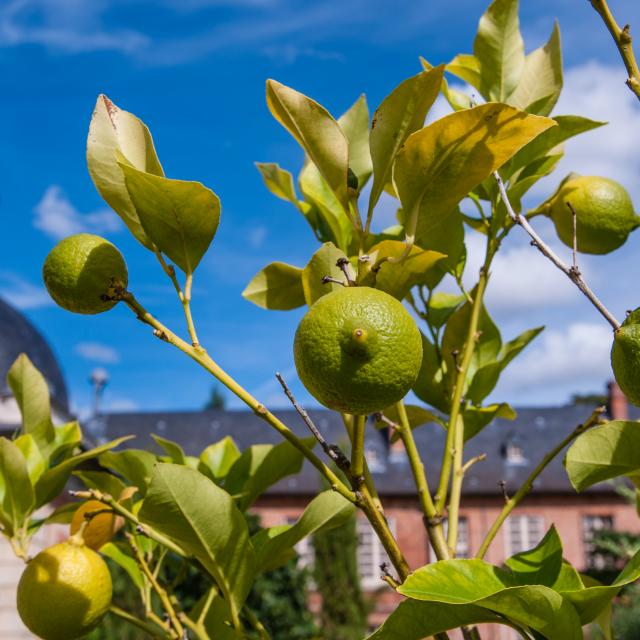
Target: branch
(147, 627)
(622, 38)
(525, 489)
(572, 273)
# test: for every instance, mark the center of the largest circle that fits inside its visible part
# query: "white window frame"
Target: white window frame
(463, 547)
(528, 538)
(592, 522)
(370, 547)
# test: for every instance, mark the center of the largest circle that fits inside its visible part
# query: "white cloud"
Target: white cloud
(122, 405)
(56, 216)
(598, 92)
(97, 352)
(521, 277)
(560, 362)
(68, 26)
(21, 293)
(257, 235)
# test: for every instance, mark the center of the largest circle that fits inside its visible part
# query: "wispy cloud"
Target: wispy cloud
(66, 26)
(97, 352)
(56, 216)
(22, 293)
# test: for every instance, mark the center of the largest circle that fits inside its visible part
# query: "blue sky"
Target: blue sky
(194, 71)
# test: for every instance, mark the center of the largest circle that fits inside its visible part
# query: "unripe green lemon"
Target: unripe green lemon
(83, 272)
(64, 591)
(625, 357)
(357, 350)
(604, 214)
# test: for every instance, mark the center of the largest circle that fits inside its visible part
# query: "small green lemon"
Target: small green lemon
(625, 357)
(82, 273)
(357, 350)
(604, 214)
(64, 591)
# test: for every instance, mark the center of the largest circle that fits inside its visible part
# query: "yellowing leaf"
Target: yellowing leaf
(277, 286)
(401, 113)
(278, 181)
(317, 133)
(466, 67)
(541, 82)
(440, 164)
(499, 49)
(323, 263)
(355, 124)
(115, 134)
(180, 217)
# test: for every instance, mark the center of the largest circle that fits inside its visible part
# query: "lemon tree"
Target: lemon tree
(390, 318)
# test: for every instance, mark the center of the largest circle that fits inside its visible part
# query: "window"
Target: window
(371, 554)
(462, 547)
(523, 533)
(304, 549)
(590, 526)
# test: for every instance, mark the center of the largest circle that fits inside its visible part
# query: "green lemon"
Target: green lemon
(64, 591)
(83, 272)
(604, 214)
(357, 350)
(625, 357)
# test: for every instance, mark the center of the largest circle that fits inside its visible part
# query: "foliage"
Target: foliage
(466, 173)
(217, 399)
(343, 615)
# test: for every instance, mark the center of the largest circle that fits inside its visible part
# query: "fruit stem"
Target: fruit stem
(433, 524)
(523, 491)
(622, 38)
(573, 274)
(200, 355)
(357, 449)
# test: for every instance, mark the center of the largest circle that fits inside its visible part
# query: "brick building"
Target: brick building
(512, 449)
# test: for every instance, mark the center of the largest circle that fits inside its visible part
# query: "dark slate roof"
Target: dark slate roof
(18, 335)
(534, 432)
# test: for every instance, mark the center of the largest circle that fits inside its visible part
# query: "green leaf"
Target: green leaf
(499, 49)
(416, 620)
(477, 582)
(216, 618)
(134, 465)
(278, 286)
(261, 466)
(278, 181)
(540, 565)
(431, 385)
(466, 67)
(416, 415)
(273, 546)
(486, 378)
(52, 482)
(173, 449)
(67, 437)
(440, 164)
(203, 520)
(323, 263)
(398, 278)
(117, 554)
(355, 126)
(31, 392)
(180, 217)
(566, 127)
(115, 134)
(477, 418)
(401, 113)
(218, 458)
(540, 85)
(441, 306)
(16, 492)
(102, 481)
(316, 132)
(36, 464)
(604, 452)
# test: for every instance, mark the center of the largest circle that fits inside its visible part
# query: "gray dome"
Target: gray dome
(18, 335)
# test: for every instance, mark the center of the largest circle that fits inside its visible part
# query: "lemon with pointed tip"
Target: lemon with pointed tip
(625, 357)
(65, 591)
(83, 273)
(604, 214)
(358, 350)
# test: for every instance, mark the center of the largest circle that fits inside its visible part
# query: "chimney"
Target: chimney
(617, 406)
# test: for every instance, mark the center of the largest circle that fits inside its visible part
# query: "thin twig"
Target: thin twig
(467, 465)
(147, 627)
(574, 275)
(332, 450)
(343, 264)
(512, 503)
(388, 577)
(622, 38)
(574, 218)
(503, 487)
